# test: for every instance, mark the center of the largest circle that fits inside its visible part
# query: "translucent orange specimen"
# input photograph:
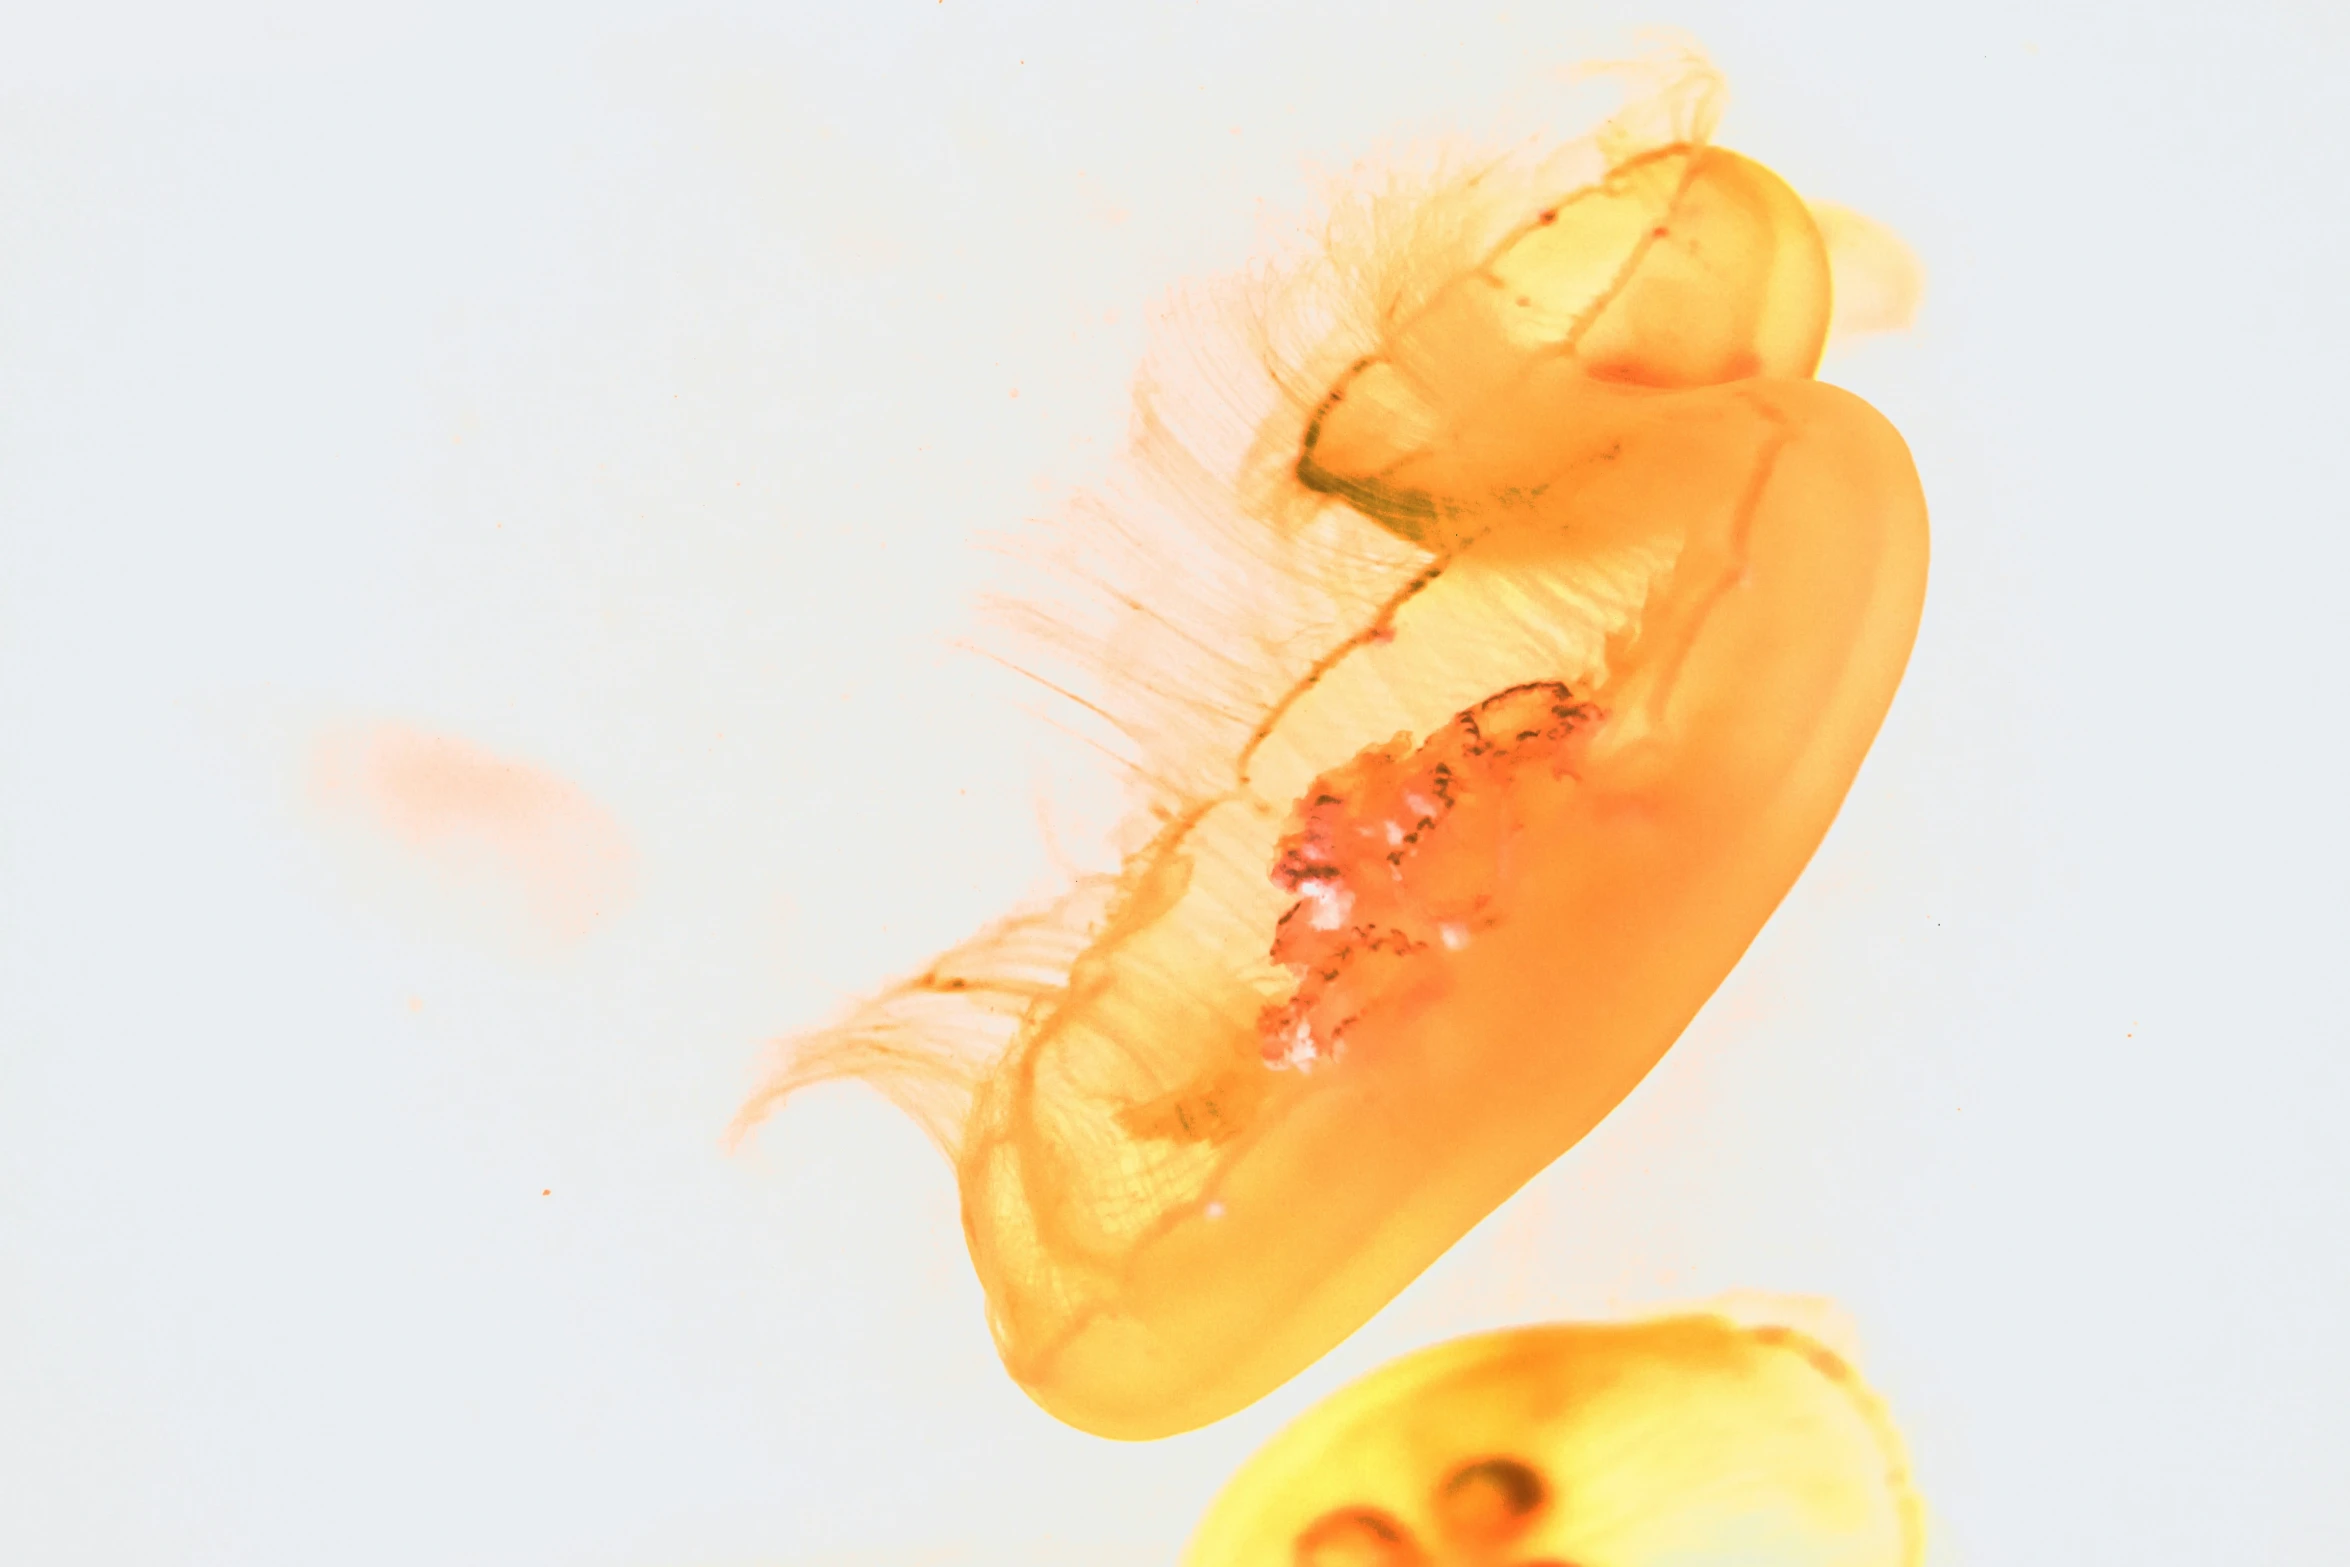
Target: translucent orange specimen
(1488, 708)
(1686, 1441)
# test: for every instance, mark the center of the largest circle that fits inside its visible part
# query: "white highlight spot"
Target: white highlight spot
(1331, 904)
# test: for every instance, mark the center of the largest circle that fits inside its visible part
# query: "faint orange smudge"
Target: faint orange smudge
(1878, 278)
(488, 824)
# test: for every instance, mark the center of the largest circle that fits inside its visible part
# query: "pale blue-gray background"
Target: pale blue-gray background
(626, 387)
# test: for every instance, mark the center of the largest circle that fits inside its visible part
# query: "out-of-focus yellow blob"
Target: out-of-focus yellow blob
(1497, 697)
(1687, 1441)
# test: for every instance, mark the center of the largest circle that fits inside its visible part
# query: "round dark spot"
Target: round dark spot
(1489, 1500)
(1357, 1537)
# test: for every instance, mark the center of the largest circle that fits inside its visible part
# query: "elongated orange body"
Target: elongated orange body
(1596, 601)
(1687, 1441)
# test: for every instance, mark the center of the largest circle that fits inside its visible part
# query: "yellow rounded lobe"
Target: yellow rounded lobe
(1683, 1442)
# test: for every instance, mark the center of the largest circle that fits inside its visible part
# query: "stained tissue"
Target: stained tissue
(1403, 848)
(1486, 683)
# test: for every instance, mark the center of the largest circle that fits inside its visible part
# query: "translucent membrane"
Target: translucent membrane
(1686, 1441)
(1483, 708)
